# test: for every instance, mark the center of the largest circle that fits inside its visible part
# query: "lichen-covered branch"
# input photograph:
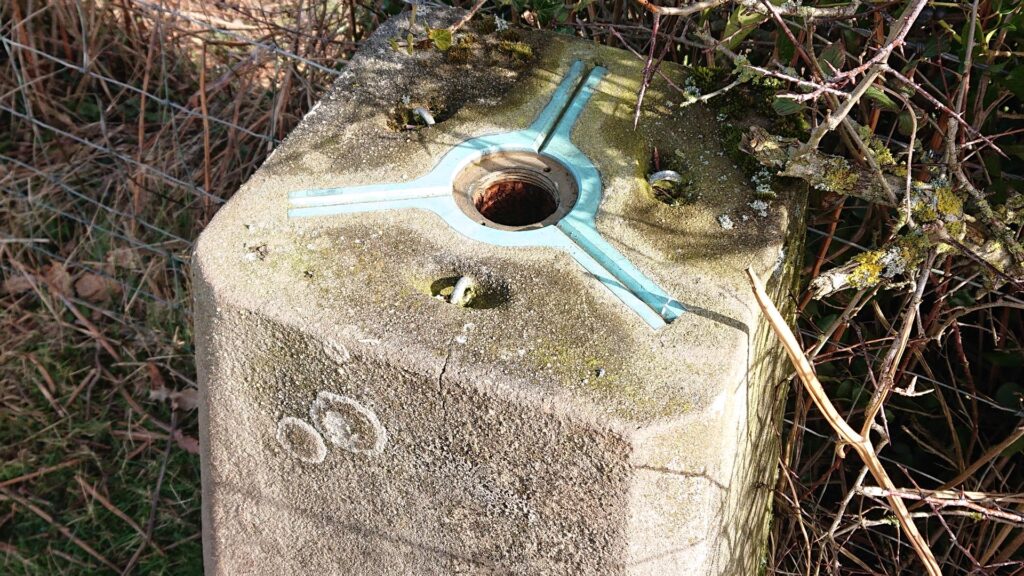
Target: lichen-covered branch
(825, 172)
(938, 210)
(787, 9)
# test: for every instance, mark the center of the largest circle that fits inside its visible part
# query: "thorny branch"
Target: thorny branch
(892, 358)
(874, 70)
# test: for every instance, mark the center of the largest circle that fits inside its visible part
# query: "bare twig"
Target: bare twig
(958, 312)
(40, 472)
(710, 95)
(648, 70)
(984, 459)
(154, 498)
(899, 346)
(861, 444)
(682, 10)
(467, 17)
(971, 500)
(106, 503)
(896, 37)
(787, 9)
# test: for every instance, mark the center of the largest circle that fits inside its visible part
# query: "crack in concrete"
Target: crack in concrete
(444, 367)
(440, 377)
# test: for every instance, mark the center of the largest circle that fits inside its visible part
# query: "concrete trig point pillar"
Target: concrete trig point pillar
(603, 402)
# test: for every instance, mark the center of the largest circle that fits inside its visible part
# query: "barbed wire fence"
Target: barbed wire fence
(123, 127)
(126, 158)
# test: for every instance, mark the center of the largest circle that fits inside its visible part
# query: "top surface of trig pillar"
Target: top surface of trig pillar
(602, 404)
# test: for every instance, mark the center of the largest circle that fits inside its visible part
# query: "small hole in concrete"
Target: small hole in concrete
(516, 200)
(404, 116)
(676, 186)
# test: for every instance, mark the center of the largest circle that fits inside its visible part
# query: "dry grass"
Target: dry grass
(124, 125)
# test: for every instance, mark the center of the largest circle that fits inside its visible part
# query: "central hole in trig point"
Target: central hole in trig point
(515, 199)
(515, 191)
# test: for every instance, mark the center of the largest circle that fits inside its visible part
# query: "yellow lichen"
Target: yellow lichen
(883, 156)
(838, 177)
(923, 211)
(948, 203)
(957, 230)
(868, 270)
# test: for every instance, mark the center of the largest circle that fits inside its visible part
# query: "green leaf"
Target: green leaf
(741, 23)
(935, 45)
(1015, 81)
(787, 106)
(1014, 448)
(876, 95)
(1014, 150)
(993, 163)
(1009, 395)
(853, 42)
(832, 58)
(441, 37)
(785, 47)
(945, 26)
(905, 123)
(963, 298)
(1005, 359)
(845, 389)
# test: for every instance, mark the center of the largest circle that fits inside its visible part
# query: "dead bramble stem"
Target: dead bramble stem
(861, 444)
(468, 16)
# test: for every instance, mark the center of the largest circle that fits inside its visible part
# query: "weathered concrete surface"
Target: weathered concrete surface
(354, 424)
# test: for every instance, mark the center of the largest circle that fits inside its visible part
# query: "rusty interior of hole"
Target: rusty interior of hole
(515, 191)
(515, 201)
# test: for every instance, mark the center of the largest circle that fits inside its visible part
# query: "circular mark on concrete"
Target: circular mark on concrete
(301, 440)
(348, 424)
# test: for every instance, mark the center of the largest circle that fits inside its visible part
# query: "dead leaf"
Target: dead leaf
(157, 384)
(95, 288)
(187, 443)
(57, 278)
(126, 258)
(187, 399)
(18, 284)
(159, 395)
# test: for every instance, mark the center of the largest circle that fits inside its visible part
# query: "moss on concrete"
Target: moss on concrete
(520, 52)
